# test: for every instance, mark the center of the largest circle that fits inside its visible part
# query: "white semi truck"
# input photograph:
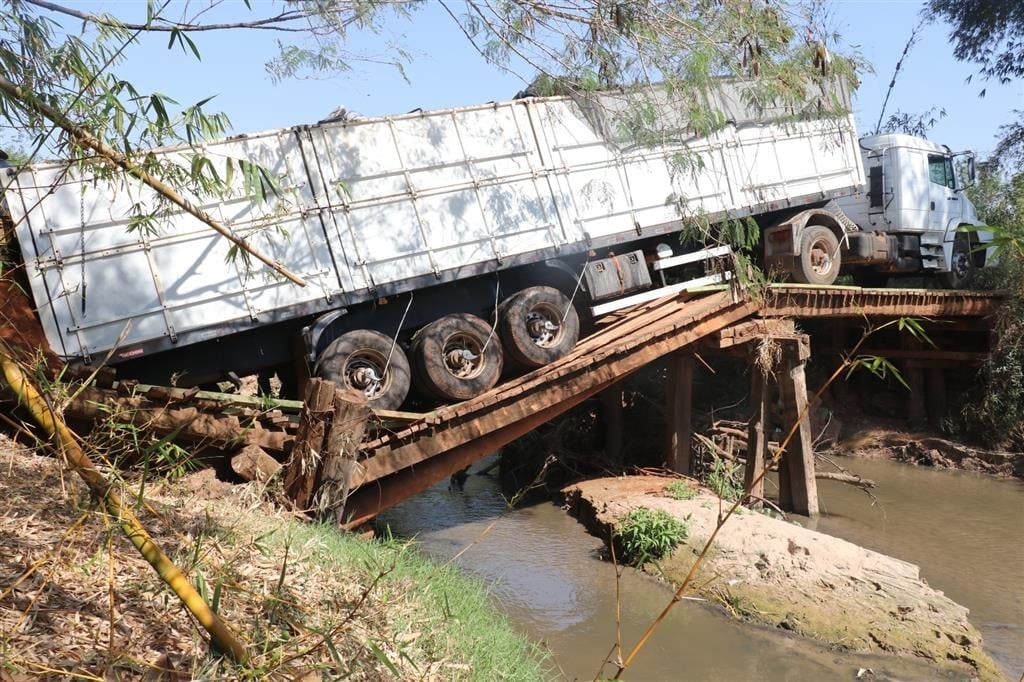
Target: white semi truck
(467, 240)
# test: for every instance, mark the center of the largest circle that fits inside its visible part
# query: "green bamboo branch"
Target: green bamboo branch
(66, 443)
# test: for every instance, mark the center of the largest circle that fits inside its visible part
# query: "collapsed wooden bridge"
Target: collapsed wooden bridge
(406, 453)
(402, 463)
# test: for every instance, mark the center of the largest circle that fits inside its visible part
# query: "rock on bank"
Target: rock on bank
(779, 574)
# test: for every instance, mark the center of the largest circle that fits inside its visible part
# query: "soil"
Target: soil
(874, 441)
(20, 331)
(779, 574)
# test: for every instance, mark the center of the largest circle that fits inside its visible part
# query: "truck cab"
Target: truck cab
(911, 212)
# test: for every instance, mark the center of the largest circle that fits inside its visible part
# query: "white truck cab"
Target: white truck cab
(911, 211)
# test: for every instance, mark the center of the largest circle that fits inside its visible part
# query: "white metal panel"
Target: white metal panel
(390, 200)
(441, 190)
(139, 287)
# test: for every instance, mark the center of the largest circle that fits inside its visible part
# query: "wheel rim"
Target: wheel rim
(544, 325)
(821, 256)
(365, 371)
(463, 356)
(961, 264)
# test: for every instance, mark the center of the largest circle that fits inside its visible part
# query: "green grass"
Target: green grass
(681, 490)
(724, 481)
(649, 534)
(452, 615)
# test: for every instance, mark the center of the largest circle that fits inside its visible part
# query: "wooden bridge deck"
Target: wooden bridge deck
(411, 459)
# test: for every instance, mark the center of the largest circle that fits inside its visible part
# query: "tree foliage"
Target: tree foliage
(995, 412)
(989, 32)
(69, 59)
(911, 123)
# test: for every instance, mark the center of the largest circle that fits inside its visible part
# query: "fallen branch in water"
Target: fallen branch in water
(852, 479)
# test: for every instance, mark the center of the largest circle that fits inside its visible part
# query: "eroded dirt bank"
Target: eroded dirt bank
(927, 449)
(779, 574)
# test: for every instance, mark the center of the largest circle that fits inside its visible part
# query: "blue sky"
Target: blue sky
(445, 71)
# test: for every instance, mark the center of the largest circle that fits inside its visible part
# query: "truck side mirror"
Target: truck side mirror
(966, 170)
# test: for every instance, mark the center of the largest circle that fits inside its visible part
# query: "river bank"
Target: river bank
(874, 441)
(309, 601)
(781, 575)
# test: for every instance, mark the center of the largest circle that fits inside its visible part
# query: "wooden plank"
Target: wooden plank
(544, 397)
(368, 501)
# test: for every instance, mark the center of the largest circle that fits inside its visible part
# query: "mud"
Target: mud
(781, 575)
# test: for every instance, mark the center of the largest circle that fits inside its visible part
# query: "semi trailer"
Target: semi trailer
(441, 249)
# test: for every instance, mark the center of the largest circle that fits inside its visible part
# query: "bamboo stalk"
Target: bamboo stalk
(67, 444)
(90, 141)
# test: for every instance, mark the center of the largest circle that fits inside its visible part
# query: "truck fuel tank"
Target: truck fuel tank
(616, 275)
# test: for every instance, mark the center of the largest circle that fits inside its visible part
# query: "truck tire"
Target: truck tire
(457, 357)
(962, 267)
(538, 325)
(368, 362)
(818, 262)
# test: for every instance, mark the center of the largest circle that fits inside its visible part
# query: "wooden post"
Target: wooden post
(936, 396)
(678, 413)
(300, 471)
(917, 415)
(611, 415)
(331, 426)
(348, 424)
(757, 439)
(798, 489)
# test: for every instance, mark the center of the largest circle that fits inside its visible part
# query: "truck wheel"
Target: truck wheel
(538, 325)
(818, 262)
(368, 362)
(457, 357)
(961, 269)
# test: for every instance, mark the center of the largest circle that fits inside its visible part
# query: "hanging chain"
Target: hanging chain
(81, 233)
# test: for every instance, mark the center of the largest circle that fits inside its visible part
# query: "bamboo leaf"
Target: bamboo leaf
(383, 658)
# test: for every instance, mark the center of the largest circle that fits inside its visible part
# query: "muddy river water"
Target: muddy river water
(965, 532)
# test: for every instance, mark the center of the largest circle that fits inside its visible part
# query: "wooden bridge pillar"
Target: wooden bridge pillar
(318, 475)
(757, 438)
(798, 489)
(611, 415)
(936, 396)
(678, 411)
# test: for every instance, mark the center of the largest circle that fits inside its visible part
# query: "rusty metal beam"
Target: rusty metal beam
(804, 301)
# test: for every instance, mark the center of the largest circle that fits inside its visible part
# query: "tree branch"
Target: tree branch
(116, 158)
(266, 24)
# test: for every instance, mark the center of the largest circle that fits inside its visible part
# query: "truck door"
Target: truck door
(944, 206)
